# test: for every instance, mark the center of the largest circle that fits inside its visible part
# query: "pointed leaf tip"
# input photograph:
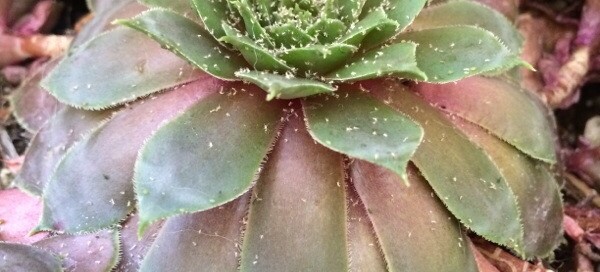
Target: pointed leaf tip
(298, 208)
(501, 108)
(450, 53)
(464, 12)
(186, 165)
(80, 80)
(284, 87)
(363, 127)
(189, 40)
(462, 174)
(398, 60)
(91, 188)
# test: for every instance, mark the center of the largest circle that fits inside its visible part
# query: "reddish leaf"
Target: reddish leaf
(363, 247)
(24, 258)
(97, 172)
(32, 105)
(51, 143)
(204, 241)
(297, 219)
(483, 263)
(415, 230)
(499, 107)
(133, 249)
(19, 213)
(84, 253)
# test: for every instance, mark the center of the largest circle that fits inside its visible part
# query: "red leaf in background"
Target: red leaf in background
(19, 214)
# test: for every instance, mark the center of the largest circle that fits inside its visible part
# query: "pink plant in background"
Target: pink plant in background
(22, 24)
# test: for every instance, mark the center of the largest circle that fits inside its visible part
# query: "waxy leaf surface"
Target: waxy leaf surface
(188, 40)
(363, 127)
(207, 156)
(90, 252)
(317, 58)
(395, 60)
(255, 54)
(282, 87)
(19, 213)
(470, 13)
(33, 106)
(92, 186)
(289, 33)
(253, 26)
(375, 21)
(401, 11)
(451, 53)
(363, 245)
(51, 143)
(327, 30)
(415, 231)
(80, 80)
(212, 13)
(535, 188)
(135, 248)
(209, 240)
(500, 107)
(23, 258)
(297, 219)
(461, 174)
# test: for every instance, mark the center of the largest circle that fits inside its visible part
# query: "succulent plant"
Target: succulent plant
(299, 136)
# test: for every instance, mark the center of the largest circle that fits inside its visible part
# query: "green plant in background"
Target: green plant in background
(299, 135)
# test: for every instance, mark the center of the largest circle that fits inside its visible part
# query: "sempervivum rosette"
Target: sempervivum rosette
(301, 135)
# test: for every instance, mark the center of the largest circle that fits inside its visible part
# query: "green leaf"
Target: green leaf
(346, 11)
(212, 13)
(297, 218)
(264, 9)
(461, 173)
(92, 186)
(259, 57)
(451, 53)
(289, 34)
(500, 107)
(536, 190)
(188, 40)
(186, 166)
(375, 21)
(318, 59)
(360, 126)
(85, 80)
(283, 87)
(253, 27)
(51, 143)
(326, 30)
(17, 257)
(89, 252)
(470, 13)
(394, 60)
(401, 11)
(208, 240)
(409, 222)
